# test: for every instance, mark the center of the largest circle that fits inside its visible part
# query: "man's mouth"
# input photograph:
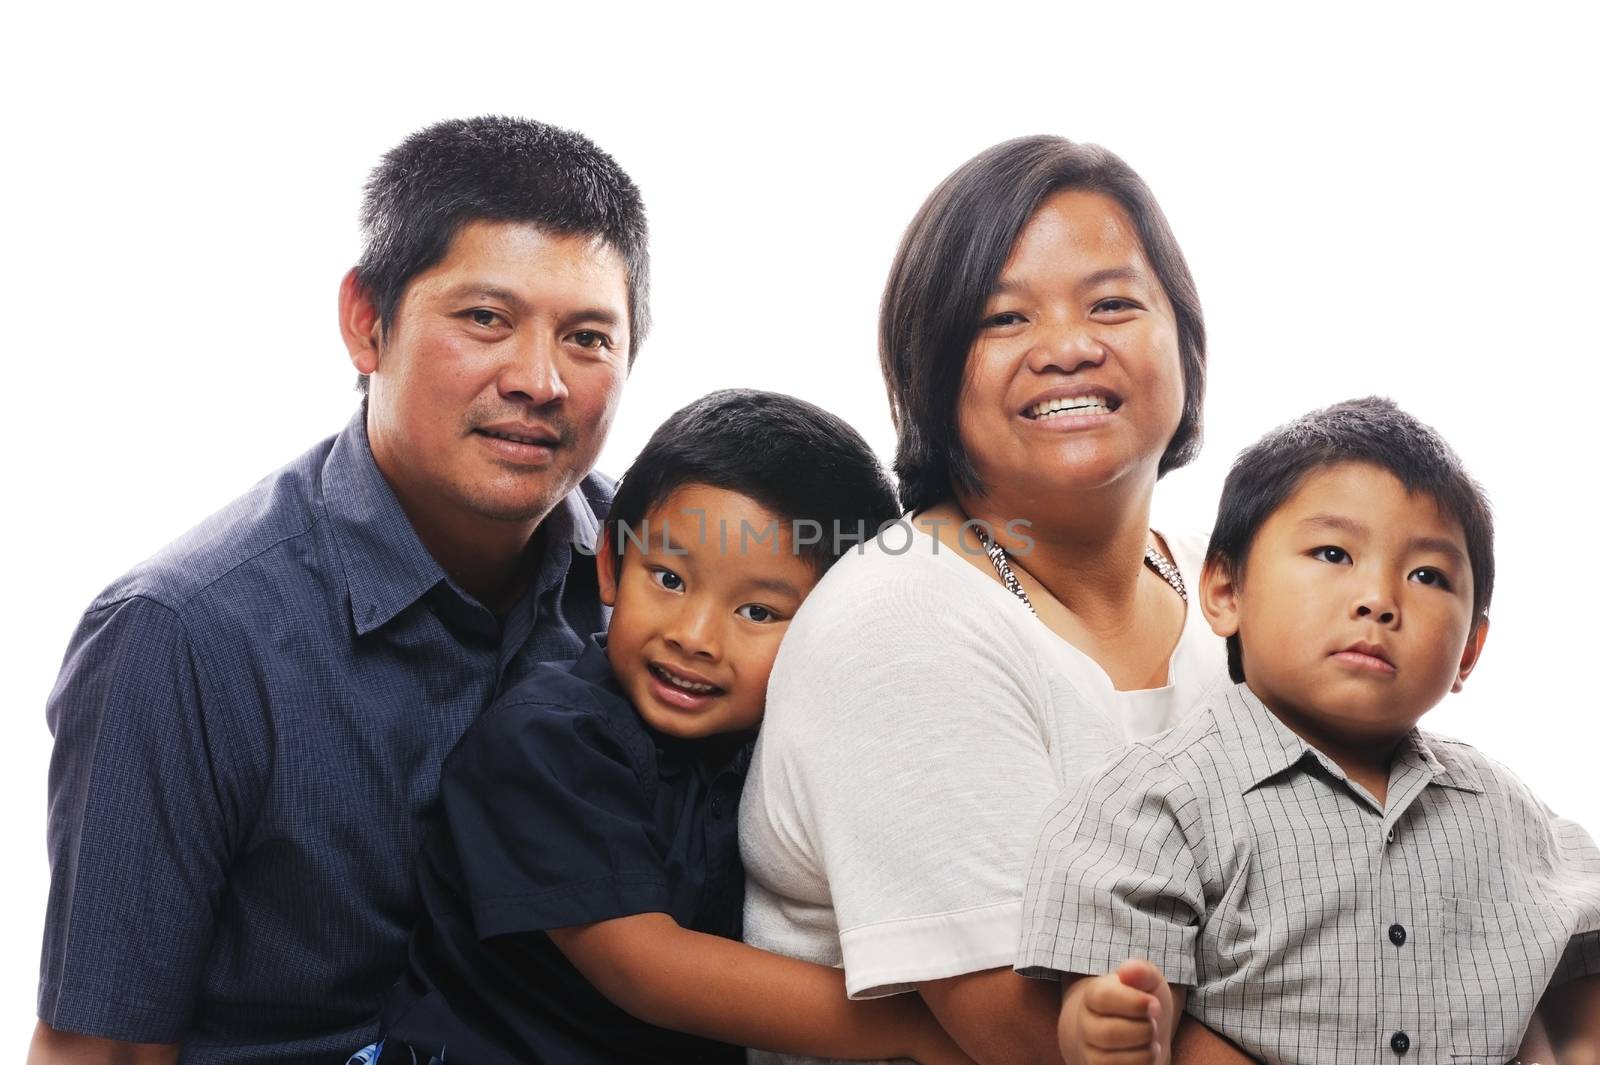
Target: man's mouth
(1071, 407)
(682, 683)
(517, 438)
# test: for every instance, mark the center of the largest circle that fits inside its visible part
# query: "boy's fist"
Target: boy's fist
(1122, 1018)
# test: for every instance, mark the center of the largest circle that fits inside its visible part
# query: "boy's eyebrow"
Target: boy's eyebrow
(1437, 544)
(777, 586)
(1335, 521)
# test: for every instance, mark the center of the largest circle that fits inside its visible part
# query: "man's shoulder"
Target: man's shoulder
(252, 536)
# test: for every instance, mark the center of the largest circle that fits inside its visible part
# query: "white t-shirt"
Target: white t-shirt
(919, 720)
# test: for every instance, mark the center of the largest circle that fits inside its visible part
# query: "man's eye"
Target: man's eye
(483, 316)
(1431, 577)
(1337, 555)
(757, 612)
(667, 579)
(589, 338)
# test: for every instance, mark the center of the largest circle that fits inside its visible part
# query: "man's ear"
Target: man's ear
(359, 323)
(605, 562)
(1219, 597)
(1474, 648)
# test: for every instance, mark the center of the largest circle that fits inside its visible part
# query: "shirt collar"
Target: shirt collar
(386, 567)
(1266, 747)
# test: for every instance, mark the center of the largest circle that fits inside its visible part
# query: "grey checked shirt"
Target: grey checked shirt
(1311, 924)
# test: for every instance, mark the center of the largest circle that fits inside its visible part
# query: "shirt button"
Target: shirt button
(716, 810)
(1397, 935)
(1399, 1042)
(1390, 837)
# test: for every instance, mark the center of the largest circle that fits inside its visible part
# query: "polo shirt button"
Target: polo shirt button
(716, 806)
(1390, 837)
(1399, 1042)
(1397, 935)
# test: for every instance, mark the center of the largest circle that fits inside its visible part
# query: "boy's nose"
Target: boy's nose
(1378, 608)
(694, 633)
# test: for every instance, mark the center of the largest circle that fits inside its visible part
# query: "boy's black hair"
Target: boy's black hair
(792, 457)
(945, 271)
(498, 169)
(1371, 430)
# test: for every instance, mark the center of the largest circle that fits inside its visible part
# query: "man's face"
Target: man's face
(493, 390)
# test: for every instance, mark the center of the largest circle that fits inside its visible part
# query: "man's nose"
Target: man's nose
(532, 371)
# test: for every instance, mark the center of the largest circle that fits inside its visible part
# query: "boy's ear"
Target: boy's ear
(605, 562)
(1474, 648)
(1219, 597)
(358, 323)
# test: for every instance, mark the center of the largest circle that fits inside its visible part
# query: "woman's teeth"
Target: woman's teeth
(1073, 407)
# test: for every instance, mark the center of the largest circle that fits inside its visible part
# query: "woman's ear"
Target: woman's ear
(1219, 596)
(606, 564)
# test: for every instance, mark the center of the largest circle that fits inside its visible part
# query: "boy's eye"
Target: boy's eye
(1431, 577)
(667, 579)
(1328, 553)
(757, 612)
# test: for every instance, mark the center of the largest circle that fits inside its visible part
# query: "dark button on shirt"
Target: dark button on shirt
(561, 807)
(1399, 1042)
(1397, 935)
(249, 733)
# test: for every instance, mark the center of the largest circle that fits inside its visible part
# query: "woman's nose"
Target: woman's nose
(1066, 348)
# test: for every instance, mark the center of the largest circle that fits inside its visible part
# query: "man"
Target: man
(249, 727)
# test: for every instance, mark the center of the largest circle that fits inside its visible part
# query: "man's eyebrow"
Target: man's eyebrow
(478, 290)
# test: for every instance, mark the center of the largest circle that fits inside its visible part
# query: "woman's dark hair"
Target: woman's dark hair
(496, 169)
(794, 458)
(1371, 430)
(946, 269)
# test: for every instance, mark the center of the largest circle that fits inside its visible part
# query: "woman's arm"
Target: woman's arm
(692, 982)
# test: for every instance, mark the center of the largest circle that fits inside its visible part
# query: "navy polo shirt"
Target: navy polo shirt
(562, 807)
(249, 729)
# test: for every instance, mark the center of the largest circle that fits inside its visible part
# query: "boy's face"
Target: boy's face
(1354, 608)
(696, 623)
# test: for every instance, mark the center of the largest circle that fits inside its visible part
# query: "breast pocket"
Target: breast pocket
(1499, 957)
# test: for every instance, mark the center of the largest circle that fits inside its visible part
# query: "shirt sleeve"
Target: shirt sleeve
(904, 759)
(550, 821)
(1116, 875)
(137, 834)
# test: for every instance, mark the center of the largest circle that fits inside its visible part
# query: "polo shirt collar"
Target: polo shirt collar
(386, 567)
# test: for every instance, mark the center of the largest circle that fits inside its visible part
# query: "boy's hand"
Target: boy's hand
(1122, 1018)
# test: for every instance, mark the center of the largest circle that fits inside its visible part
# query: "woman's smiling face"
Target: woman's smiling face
(1074, 381)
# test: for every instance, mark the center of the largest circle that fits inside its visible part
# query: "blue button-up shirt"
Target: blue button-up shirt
(249, 733)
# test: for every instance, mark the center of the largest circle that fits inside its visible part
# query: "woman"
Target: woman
(1044, 351)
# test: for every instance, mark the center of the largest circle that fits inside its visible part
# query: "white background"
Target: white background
(1395, 199)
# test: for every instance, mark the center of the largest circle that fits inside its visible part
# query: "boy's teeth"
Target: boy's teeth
(688, 686)
(1073, 407)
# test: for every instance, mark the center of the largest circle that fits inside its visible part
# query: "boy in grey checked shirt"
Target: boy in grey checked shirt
(1297, 865)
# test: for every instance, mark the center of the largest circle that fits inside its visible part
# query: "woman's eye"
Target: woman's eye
(667, 579)
(589, 338)
(1431, 577)
(1003, 319)
(1337, 555)
(1115, 305)
(757, 612)
(483, 316)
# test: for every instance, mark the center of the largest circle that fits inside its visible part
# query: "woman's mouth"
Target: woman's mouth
(1071, 407)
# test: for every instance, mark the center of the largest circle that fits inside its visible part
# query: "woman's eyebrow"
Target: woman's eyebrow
(1008, 286)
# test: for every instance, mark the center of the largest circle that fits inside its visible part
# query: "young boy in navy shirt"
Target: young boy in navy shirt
(1298, 866)
(583, 887)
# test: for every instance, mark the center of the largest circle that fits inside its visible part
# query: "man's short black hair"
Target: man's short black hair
(1371, 430)
(946, 270)
(496, 169)
(792, 457)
